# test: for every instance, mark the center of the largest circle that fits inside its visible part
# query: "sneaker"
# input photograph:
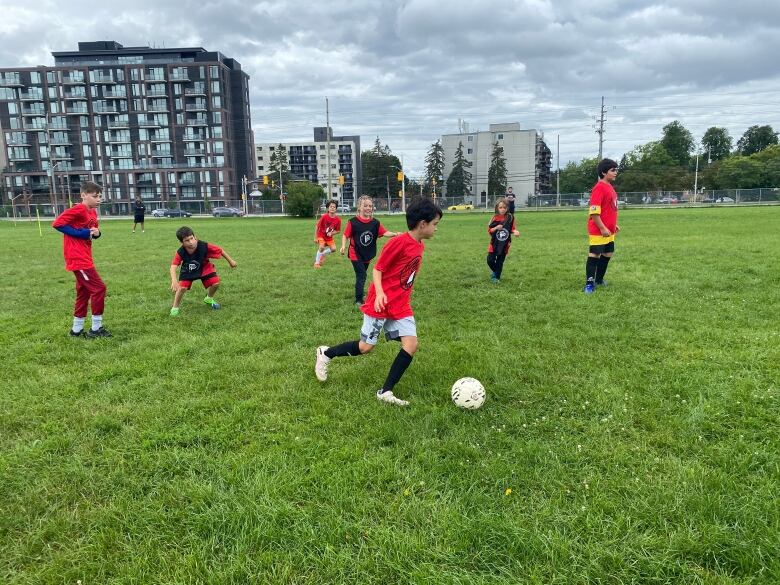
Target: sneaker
(589, 289)
(174, 311)
(214, 304)
(390, 398)
(101, 332)
(317, 265)
(321, 365)
(81, 333)
(602, 283)
(495, 279)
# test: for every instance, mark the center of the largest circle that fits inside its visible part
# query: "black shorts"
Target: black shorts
(139, 219)
(602, 248)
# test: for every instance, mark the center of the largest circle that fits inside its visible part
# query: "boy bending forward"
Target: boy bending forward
(388, 304)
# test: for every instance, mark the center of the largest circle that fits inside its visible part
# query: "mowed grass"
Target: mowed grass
(628, 437)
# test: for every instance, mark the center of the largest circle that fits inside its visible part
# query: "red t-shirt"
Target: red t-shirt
(500, 218)
(212, 251)
(348, 234)
(77, 252)
(603, 202)
(327, 226)
(399, 262)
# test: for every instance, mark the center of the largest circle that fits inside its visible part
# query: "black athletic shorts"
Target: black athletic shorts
(603, 248)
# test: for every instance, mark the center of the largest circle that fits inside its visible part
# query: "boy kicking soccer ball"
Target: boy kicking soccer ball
(388, 306)
(193, 257)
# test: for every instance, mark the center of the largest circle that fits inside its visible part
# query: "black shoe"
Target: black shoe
(81, 333)
(102, 332)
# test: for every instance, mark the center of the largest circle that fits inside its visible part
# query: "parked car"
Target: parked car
(724, 200)
(227, 212)
(174, 213)
(158, 213)
(671, 200)
(460, 207)
(344, 208)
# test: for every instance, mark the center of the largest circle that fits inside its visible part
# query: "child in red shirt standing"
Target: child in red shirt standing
(602, 226)
(388, 303)
(501, 229)
(193, 257)
(362, 232)
(79, 224)
(327, 227)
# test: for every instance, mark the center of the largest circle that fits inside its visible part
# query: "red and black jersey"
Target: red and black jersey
(399, 262)
(501, 239)
(363, 234)
(77, 251)
(327, 226)
(195, 265)
(603, 202)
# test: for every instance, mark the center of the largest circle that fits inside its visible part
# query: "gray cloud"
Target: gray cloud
(406, 71)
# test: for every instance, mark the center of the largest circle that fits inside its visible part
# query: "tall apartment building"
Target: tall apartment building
(309, 161)
(527, 160)
(168, 125)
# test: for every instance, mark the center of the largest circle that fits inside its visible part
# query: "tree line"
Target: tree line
(670, 164)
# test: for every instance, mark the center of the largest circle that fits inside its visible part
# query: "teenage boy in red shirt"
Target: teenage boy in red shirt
(79, 224)
(327, 227)
(194, 258)
(602, 226)
(388, 304)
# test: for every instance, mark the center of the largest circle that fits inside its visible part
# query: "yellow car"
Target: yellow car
(460, 207)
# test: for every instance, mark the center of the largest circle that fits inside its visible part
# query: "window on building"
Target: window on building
(215, 87)
(500, 136)
(470, 151)
(214, 72)
(471, 139)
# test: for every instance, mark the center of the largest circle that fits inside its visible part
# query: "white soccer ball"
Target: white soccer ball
(468, 393)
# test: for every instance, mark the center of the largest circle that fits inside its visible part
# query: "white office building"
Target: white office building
(526, 154)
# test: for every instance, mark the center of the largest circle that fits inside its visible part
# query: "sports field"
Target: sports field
(631, 436)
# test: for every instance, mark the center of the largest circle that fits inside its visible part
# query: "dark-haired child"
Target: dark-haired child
(327, 227)
(388, 305)
(602, 226)
(501, 229)
(193, 256)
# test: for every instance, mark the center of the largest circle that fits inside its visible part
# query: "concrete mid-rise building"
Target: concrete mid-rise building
(169, 125)
(527, 158)
(319, 159)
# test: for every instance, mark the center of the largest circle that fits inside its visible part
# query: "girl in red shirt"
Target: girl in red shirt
(501, 229)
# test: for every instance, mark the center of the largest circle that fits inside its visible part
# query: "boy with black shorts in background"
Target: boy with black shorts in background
(602, 226)
(388, 303)
(193, 257)
(79, 224)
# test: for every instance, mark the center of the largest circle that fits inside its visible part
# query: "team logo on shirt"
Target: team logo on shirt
(329, 231)
(502, 235)
(366, 238)
(193, 266)
(409, 273)
(594, 208)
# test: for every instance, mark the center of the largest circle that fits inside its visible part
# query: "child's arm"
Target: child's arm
(227, 257)
(174, 280)
(344, 239)
(390, 234)
(381, 297)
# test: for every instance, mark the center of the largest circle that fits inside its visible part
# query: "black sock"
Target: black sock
(590, 270)
(346, 348)
(602, 268)
(400, 363)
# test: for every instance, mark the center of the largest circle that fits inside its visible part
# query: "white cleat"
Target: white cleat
(321, 365)
(390, 398)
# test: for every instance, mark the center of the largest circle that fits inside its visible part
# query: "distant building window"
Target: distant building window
(260, 168)
(470, 151)
(471, 139)
(500, 136)
(259, 158)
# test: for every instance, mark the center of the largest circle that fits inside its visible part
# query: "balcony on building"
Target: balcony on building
(33, 112)
(157, 153)
(180, 76)
(157, 93)
(102, 78)
(114, 95)
(119, 124)
(31, 96)
(19, 158)
(193, 137)
(106, 109)
(119, 139)
(153, 108)
(194, 151)
(197, 107)
(78, 96)
(76, 111)
(154, 78)
(10, 81)
(197, 122)
(146, 123)
(120, 154)
(73, 80)
(197, 90)
(60, 140)
(156, 138)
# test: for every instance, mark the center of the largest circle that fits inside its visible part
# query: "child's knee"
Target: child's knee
(365, 347)
(409, 344)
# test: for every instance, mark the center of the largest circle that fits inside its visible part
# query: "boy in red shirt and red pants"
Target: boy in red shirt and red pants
(388, 304)
(79, 224)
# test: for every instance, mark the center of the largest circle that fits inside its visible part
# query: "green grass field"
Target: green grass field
(628, 437)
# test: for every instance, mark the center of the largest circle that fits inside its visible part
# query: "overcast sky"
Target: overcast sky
(407, 71)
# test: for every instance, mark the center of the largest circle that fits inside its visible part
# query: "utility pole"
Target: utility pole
(600, 130)
(696, 177)
(403, 186)
(558, 176)
(327, 144)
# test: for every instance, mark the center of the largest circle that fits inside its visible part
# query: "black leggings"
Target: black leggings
(496, 263)
(360, 279)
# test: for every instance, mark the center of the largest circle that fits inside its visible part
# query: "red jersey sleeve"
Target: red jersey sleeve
(382, 230)
(67, 217)
(176, 259)
(213, 251)
(348, 230)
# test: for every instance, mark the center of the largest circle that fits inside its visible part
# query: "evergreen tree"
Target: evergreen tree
(380, 178)
(459, 180)
(279, 162)
(497, 172)
(434, 168)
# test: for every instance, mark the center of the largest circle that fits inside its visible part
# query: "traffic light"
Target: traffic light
(341, 179)
(265, 179)
(400, 176)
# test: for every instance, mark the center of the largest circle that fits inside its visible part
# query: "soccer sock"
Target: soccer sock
(78, 324)
(97, 322)
(318, 257)
(400, 363)
(601, 270)
(590, 270)
(345, 349)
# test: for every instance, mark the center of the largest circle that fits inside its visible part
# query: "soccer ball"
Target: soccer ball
(468, 393)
